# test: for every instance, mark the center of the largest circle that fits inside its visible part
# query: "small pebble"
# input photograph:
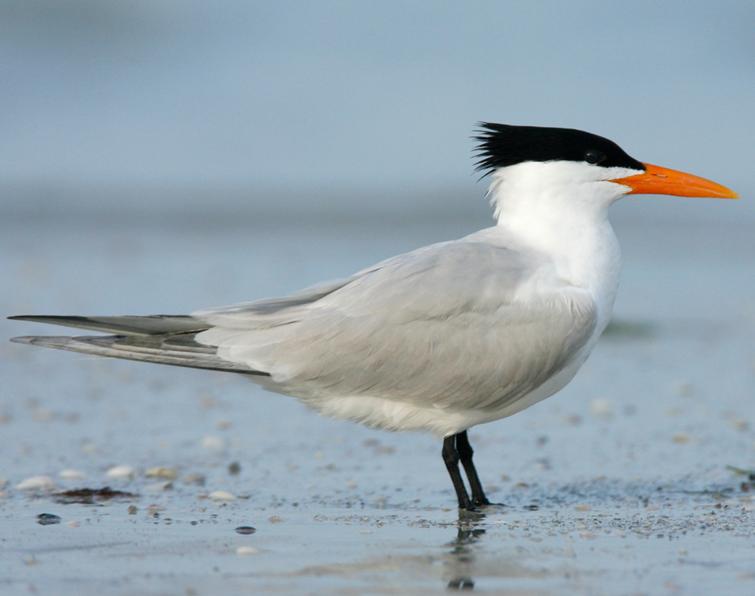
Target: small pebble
(275, 519)
(132, 509)
(48, 519)
(740, 425)
(42, 414)
(162, 472)
(222, 495)
(71, 474)
(207, 401)
(680, 438)
(246, 550)
(602, 408)
(158, 487)
(36, 483)
(234, 468)
(197, 479)
(122, 472)
(245, 530)
(213, 443)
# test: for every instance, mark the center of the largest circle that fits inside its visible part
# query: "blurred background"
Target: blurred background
(238, 109)
(165, 155)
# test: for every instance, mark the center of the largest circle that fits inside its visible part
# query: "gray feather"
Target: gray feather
(122, 325)
(179, 350)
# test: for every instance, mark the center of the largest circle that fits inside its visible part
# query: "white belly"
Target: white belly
(388, 414)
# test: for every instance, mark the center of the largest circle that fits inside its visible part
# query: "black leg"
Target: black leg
(464, 449)
(451, 458)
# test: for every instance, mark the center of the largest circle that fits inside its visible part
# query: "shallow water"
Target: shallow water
(618, 485)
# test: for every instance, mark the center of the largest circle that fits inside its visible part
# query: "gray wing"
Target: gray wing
(458, 320)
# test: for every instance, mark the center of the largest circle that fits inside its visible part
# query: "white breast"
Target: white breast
(557, 209)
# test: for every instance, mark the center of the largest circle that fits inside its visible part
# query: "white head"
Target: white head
(560, 172)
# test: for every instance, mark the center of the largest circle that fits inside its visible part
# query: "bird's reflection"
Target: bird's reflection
(461, 559)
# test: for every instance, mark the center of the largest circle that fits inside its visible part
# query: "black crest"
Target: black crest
(504, 145)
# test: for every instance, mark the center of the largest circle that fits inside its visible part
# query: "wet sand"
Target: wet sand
(619, 485)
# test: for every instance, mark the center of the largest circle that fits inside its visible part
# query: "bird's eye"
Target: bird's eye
(594, 156)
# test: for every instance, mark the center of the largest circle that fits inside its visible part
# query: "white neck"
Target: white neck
(561, 210)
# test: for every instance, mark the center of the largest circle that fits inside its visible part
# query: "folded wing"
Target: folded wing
(459, 324)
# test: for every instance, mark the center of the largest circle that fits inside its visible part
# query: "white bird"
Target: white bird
(447, 336)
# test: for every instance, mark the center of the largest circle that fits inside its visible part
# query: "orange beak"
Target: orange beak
(656, 180)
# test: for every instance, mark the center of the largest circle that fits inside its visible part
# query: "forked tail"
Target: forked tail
(162, 339)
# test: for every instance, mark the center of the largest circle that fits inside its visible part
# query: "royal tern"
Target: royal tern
(447, 336)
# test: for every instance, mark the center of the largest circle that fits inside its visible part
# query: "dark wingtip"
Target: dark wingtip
(52, 319)
(37, 318)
